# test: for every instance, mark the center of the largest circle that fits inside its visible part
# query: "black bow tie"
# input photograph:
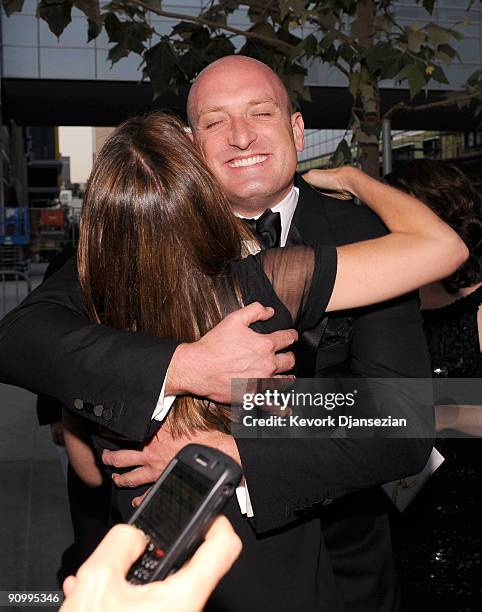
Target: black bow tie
(266, 228)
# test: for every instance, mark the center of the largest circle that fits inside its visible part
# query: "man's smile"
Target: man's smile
(243, 162)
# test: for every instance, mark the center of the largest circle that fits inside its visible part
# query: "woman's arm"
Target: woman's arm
(80, 451)
(419, 250)
(467, 419)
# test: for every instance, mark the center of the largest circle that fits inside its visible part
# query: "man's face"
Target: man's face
(241, 120)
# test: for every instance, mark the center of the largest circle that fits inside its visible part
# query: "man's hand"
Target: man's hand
(154, 457)
(230, 350)
(100, 584)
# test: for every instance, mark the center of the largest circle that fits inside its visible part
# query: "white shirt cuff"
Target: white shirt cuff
(164, 403)
(163, 406)
(244, 500)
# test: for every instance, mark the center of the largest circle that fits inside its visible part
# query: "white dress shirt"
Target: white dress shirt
(286, 209)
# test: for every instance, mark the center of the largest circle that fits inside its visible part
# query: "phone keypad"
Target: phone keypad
(143, 568)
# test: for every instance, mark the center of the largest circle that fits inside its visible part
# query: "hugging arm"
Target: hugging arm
(290, 478)
(113, 377)
(50, 347)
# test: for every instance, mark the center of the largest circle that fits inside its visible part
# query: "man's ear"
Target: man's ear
(298, 127)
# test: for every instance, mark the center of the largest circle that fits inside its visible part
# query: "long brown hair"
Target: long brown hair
(156, 237)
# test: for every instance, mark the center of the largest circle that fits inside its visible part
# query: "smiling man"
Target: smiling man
(247, 131)
(319, 537)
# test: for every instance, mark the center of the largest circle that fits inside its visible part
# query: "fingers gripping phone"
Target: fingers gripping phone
(180, 508)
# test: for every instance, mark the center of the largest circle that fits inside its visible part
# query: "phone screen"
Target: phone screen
(179, 496)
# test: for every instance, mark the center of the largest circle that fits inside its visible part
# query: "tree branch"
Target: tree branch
(402, 106)
(281, 46)
(342, 69)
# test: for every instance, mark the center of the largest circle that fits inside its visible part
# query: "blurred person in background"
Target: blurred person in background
(438, 538)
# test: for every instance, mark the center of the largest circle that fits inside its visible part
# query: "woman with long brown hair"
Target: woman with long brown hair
(161, 252)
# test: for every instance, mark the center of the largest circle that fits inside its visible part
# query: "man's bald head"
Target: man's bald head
(233, 67)
(241, 117)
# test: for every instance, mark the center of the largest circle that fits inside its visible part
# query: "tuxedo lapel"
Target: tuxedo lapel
(310, 222)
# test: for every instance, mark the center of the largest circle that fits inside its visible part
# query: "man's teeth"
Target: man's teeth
(248, 161)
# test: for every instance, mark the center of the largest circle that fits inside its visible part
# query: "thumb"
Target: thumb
(252, 313)
(122, 545)
(68, 586)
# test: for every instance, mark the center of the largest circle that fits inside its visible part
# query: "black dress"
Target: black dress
(297, 281)
(438, 539)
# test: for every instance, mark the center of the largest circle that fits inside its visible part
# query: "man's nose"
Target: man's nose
(241, 134)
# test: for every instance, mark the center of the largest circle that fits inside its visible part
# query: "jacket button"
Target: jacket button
(88, 407)
(78, 404)
(107, 414)
(98, 410)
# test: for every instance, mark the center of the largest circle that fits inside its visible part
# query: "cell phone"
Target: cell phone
(180, 508)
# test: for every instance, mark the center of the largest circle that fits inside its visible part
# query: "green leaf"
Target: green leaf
(90, 8)
(326, 41)
(346, 52)
(161, 68)
(437, 35)
(219, 47)
(438, 74)
(191, 63)
(57, 14)
(93, 30)
(446, 53)
(428, 5)
(129, 36)
(342, 154)
(382, 57)
(415, 39)
(415, 76)
(448, 50)
(310, 45)
(12, 6)
(185, 29)
(474, 78)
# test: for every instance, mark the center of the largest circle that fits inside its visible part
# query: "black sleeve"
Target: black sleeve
(111, 377)
(49, 410)
(303, 278)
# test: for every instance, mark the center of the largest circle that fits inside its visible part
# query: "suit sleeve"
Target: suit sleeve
(291, 478)
(111, 377)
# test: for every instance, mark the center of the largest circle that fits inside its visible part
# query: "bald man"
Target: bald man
(318, 538)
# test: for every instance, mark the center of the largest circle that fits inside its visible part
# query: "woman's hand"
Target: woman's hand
(335, 182)
(100, 584)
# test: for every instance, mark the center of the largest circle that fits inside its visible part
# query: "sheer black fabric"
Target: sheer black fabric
(438, 539)
(297, 281)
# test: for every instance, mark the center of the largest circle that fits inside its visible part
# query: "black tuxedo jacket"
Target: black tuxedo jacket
(319, 539)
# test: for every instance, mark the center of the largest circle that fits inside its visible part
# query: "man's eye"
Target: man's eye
(264, 114)
(212, 124)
